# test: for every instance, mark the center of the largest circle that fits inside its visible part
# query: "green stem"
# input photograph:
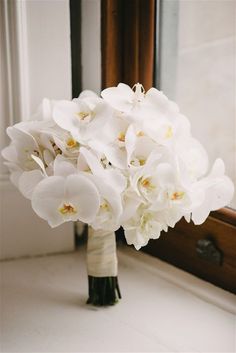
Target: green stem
(103, 291)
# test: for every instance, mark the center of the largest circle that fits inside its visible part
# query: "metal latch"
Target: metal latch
(207, 250)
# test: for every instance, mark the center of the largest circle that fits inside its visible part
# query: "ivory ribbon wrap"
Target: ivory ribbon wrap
(101, 253)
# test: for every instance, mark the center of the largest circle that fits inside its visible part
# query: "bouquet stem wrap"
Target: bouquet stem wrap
(102, 268)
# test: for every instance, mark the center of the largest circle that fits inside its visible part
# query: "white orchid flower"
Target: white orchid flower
(62, 142)
(130, 101)
(111, 176)
(26, 181)
(31, 138)
(160, 184)
(59, 199)
(162, 120)
(212, 192)
(165, 130)
(26, 157)
(83, 118)
(20, 151)
(123, 98)
(138, 146)
(111, 141)
(162, 127)
(127, 159)
(110, 210)
(29, 180)
(144, 225)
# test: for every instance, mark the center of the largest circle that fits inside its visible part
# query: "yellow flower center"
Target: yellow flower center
(178, 195)
(142, 161)
(82, 115)
(121, 137)
(140, 133)
(146, 183)
(169, 132)
(104, 206)
(67, 209)
(71, 143)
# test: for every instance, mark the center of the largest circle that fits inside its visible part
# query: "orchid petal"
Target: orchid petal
(15, 177)
(39, 162)
(28, 181)
(9, 153)
(48, 157)
(47, 198)
(92, 161)
(119, 97)
(64, 114)
(218, 190)
(63, 167)
(88, 94)
(82, 192)
(160, 101)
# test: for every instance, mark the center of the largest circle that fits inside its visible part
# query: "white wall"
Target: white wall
(35, 63)
(4, 113)
(48, 50)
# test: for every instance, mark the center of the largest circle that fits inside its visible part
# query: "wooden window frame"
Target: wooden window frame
(127, 51)
(75, 29)
(128, 55)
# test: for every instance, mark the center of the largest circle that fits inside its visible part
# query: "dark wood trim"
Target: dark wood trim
(111, 42)
(146, 43)
(178, 247)
(157, 44)
(128, 32)
(225, 214)
(75, 30)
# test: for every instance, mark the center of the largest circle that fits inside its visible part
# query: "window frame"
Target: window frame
(128, 34)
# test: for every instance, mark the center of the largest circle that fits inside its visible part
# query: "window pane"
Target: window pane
(197, 70)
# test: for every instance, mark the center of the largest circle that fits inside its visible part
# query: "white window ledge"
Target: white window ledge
(163, 308)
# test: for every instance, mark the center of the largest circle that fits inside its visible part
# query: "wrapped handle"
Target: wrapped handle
(101, 253)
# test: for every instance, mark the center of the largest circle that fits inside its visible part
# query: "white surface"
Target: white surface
(35, 63)
(43, 309)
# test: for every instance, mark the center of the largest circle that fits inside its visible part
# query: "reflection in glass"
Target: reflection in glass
(196, 68)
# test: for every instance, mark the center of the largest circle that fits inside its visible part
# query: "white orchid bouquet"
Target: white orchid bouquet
(125, 159)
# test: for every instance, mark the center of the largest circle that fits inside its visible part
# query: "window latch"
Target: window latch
(207, 250)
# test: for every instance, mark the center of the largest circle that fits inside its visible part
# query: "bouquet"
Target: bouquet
(125, 159)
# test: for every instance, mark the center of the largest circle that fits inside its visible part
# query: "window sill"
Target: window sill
(163, 308)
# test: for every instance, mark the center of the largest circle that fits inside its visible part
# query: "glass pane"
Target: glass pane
(197, 70)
